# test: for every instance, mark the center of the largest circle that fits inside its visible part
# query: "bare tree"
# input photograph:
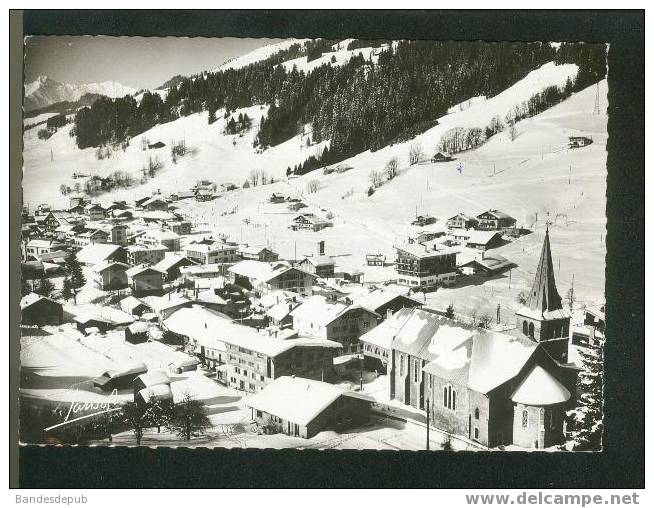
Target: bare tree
(513, 131)
(254, 178)
(570, 297)
(521, 298)
(313, 186)
(391, 168)
(416, 153)
(63, 189)
(485, 320)
(375, 178)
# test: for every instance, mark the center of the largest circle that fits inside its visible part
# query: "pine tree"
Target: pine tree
(188, 418)
(585, 422)
(77, 278)
(449, 312)
(67, 291)
(45, 287)
(25, 288)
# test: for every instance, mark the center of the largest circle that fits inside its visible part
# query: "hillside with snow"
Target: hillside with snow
(45, 91)
(527, 178)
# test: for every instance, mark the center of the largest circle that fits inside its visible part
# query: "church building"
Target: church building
(493, 388)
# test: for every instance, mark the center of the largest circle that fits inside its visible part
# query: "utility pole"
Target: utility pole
(498, 313)
(569, 174)
(361, 372)
(427, 410)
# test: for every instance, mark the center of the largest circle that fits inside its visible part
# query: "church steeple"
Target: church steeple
(544, 296)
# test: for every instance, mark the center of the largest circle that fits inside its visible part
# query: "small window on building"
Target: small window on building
(476, 434)
(258, 413)
(525, 328)
(531, 330)
(401, 365)
(415, 371)
(476, 413)
(525, 419)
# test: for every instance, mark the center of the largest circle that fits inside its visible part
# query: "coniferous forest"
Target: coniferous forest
(357, 106)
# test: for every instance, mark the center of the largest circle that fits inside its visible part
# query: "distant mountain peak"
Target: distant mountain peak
(44, 91)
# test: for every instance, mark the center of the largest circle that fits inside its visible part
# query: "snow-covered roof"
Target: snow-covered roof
(295, 399)
(159, 303)
(496, 213)
(540, 388)
(146, 248)
(95, 253)
(156, 392)
(480, 237)
(105, 265)
(31, 298)
(497, 358)
(208, 247)
(137, 270)
(272, 298)
(319, 260)
(253, 250)
(491, 262)
(171, 260)
(138, 327)
(422, 251)
(209, 296)
(280, 310)
(161, 234)
(96, 312)
(321, 310)
(383, 334)
(154, 377)
(129, 303)
(261, 271)
(377, 298)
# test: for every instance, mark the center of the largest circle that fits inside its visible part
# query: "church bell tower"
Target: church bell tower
(542, 318)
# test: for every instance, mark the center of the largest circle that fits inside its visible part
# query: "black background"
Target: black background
(620, 465)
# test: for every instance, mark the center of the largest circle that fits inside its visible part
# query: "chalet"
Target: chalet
(121, 377)
(145, 279)
(210, 299)
(425, 269)
(194, 273)
(266, 277)
(94, 212)
(76, 210)
(462, 221)
(40, 310)
(210, 252)
(117, 205)
(495, 220)
(375, 259)
(76, 200)
(309, 221)
(180, 227)
(303, 407)
(101, 318)
(164, 306)
(257, 253)
(90, 236)
(53, 220)
(153, 385)
(276, 198)
(589, 333)
(38, 246)
(204, 194)
(137, 333)
(422, 234)
(280, 314)
(98, 252)
(110, 275)
(423, 220)
(157, 145)
(134, 306)
(297, 206)
(482, 240)
(155, 204)
(252, 359)
(138, 202)
(488, 265)
(384, 302)
(117, 233)
(177, 196)
(491, 388)
(170, 266)
(320, 266)
(57, 257)
(339, 320)
(442, 157)
(122, 214)
(145, 254)
(156, 237)
(579, 141)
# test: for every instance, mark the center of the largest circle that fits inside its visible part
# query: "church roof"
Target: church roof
(540, 388)
(543, 296)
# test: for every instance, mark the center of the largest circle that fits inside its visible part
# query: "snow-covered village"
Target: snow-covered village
(327, 244)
